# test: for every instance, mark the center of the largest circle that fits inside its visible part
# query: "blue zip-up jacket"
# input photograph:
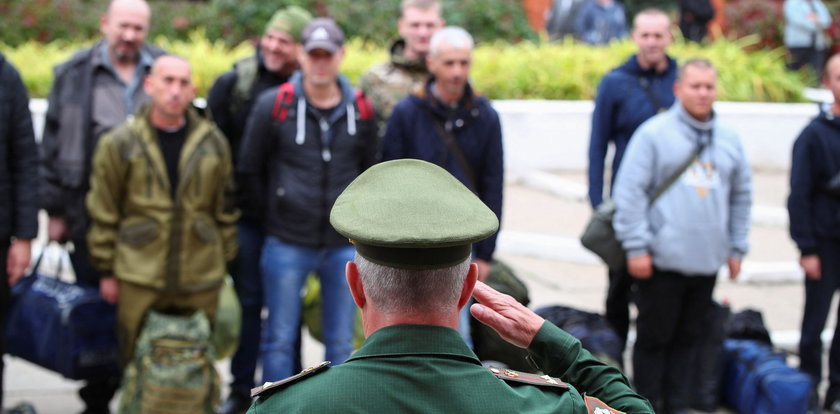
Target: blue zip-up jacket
(620, 107)
(475, 125)
(703, 218)
(294, 166)
(814, 214)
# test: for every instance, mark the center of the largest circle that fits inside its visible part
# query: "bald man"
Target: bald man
(92, 92)
(163, 242)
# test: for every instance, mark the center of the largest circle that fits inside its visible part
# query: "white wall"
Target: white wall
(554, 135)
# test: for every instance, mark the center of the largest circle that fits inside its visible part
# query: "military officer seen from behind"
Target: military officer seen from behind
(413, 224)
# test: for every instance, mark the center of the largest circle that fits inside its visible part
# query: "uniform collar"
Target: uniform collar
(415, 340)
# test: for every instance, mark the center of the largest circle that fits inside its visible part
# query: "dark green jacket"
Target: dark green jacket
(138, 232)
(429, 369)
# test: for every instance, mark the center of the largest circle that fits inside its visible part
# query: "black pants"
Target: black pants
(801, 56)
(818, 295)
(4, 309)
(96, 393)
(672, 310)
(618, 303)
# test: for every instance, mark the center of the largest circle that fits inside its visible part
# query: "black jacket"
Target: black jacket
(230, 115)
(18, 158)
(68, 143)
(293, 175)
(814, 214)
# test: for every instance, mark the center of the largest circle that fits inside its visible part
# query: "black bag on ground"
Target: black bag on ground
(749, 324)
(63, 327)
(487, 344)
(708, 366)
(592, 329)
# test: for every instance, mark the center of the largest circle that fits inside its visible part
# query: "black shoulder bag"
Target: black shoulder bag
(599, 235)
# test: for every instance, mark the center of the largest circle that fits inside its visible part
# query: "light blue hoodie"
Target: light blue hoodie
(703, 218)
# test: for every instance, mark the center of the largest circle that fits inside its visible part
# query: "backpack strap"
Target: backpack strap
(246, 76)
(364, 105)
(283, 101)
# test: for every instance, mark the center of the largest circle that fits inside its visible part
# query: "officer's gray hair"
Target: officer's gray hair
(405, 291)
(451, 35)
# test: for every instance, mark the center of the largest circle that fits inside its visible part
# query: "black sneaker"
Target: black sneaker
(236, 403)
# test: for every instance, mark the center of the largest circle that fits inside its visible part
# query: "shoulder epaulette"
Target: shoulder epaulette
(596, 406)
(268, 386)
(524, 377)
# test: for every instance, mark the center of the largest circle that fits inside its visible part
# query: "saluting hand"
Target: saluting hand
(510, 319)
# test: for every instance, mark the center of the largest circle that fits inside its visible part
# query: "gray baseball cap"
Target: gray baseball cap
(322, 33)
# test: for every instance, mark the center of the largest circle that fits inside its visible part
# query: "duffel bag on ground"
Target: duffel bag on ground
(592, 329)
(63, 327)
(757, 380)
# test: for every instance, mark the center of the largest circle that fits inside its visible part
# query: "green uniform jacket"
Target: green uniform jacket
(138, 232)
(429, 369)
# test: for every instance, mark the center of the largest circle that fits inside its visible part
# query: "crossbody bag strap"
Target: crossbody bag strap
(674, 177)
(449, 140)
(657, 104)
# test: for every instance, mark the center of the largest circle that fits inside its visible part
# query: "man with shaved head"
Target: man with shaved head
(92, 92)
(161, 208)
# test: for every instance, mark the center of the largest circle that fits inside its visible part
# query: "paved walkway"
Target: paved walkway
(561, 273)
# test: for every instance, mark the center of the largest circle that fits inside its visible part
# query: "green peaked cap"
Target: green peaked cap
(411, 214)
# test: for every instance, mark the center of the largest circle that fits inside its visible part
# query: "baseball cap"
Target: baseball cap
(322, 33)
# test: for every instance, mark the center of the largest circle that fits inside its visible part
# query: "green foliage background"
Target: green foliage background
(561, 70)
(236, 21)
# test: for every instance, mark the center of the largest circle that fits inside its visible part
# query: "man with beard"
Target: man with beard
(97, 89)
(230, 101)
(389, 82)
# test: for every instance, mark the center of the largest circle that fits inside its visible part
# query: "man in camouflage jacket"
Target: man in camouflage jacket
(387, 83)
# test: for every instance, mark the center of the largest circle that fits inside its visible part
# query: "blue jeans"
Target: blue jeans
(247, 281)
(285, 267)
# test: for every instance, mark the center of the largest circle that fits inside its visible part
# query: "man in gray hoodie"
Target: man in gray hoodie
(676, 244)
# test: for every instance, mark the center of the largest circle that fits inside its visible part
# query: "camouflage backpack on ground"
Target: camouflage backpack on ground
(172, 370)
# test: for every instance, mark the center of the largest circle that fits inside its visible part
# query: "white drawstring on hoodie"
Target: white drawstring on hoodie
(300, 136)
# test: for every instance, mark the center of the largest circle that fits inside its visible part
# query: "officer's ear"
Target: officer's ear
(355, 283)
(469, 284)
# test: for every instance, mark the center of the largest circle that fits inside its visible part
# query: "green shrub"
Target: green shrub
(235, 21)
(562, 70)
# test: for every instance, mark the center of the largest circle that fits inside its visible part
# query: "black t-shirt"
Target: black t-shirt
(171, 143)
